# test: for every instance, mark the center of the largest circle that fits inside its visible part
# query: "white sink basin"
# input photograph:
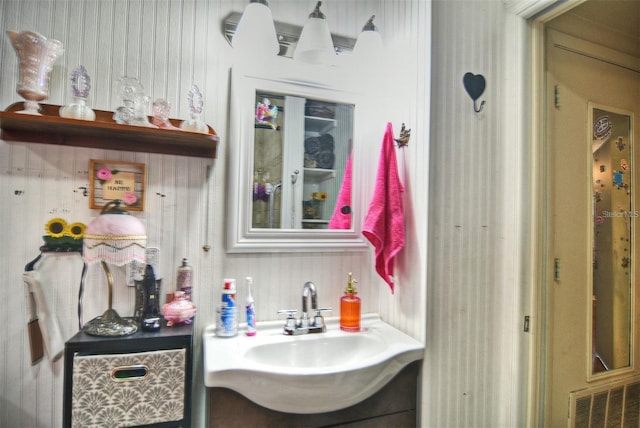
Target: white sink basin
(311, 373)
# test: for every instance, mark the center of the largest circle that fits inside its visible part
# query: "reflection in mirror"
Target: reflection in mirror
(301, 148)
(293, 160)
(613, 229)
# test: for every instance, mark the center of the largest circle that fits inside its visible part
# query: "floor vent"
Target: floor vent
(615, 404)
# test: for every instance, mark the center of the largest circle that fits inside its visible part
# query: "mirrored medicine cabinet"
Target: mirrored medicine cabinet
(291, 141)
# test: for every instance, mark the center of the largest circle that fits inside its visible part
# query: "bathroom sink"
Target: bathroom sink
(311, 373)
(317, 351)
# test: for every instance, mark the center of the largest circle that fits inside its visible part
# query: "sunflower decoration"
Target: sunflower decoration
(56, 227)
(62, 236)
(76, 230)
(319, 196)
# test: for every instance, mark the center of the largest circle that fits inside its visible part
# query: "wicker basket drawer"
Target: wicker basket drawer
(124, 390)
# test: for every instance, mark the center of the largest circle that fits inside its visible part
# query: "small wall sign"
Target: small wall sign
(111, 180)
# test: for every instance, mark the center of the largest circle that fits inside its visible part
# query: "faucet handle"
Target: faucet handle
(318, 320)
(290, 321)
(288, 312)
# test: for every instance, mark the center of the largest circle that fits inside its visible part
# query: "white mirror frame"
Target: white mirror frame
(317, 83)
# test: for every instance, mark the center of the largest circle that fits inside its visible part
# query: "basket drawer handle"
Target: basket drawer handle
(129, 373)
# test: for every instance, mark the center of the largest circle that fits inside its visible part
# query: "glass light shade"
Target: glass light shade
(315, 45)
(368, 45)
(256, 32)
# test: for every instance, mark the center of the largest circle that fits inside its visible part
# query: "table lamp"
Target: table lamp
(114, 237)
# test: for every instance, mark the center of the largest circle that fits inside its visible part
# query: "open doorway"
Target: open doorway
(590, 67)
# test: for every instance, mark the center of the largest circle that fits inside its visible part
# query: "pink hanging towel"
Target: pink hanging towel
(341, 218)
(384, 223)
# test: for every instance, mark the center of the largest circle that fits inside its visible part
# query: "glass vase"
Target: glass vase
(36, 56)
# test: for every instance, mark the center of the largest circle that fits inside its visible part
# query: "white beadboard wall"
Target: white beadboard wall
(456, 285)
(169, 45)
(474, 293)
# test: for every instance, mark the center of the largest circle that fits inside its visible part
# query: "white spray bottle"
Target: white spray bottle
(251, 312)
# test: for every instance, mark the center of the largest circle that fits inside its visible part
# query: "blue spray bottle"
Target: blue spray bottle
(251, 312)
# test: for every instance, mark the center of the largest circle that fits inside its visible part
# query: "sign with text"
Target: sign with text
(110, 180)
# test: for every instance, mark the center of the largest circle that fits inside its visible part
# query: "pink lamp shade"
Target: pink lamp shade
(115, 237)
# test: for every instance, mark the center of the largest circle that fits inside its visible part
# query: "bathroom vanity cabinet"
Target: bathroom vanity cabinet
(393, 406)
(144, 379)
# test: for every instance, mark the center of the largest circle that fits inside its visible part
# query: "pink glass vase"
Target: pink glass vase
(36, 56)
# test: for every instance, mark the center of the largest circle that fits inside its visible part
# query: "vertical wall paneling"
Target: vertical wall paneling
(473, 315)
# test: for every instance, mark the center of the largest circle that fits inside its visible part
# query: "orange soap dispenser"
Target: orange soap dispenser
(350, 307)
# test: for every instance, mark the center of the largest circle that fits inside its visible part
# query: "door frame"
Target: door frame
(540, 267)
(527, 55)
(542, 271)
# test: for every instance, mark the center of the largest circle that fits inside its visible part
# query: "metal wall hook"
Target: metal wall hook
(405, 134)
(475, 107)
(474, 85)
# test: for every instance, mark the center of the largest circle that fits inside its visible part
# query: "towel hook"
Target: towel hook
(403, 140)
(474, 85)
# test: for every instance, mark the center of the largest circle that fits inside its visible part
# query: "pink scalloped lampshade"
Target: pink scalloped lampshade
(115, 237)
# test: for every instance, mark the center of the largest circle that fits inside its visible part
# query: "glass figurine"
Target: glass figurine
(128, 87)
(195, 123)
(141, 105)
(161, 110)
(80, 86)
(134, 104)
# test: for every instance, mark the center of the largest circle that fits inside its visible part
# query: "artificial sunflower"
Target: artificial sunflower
(76, 230)
(56, 227)
(319, 196)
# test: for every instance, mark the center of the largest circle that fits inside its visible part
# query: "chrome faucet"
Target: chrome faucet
(305, 324)
(309, 288)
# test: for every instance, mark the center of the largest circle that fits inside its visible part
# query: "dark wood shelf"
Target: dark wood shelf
(103, 133)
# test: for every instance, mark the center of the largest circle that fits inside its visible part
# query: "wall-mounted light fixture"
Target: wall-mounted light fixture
(255, 31)
(369, 43)
(287, 35)
(315, 45)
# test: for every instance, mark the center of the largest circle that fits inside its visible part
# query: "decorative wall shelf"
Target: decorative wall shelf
(103, 133)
